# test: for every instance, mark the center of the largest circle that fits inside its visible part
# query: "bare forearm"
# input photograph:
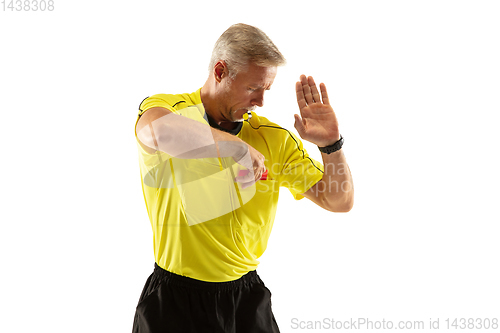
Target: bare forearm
(186, 138)
(336, 185)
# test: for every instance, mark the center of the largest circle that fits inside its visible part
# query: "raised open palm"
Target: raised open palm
(317, 122)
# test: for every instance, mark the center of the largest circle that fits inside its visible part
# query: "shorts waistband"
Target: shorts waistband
(179, 280)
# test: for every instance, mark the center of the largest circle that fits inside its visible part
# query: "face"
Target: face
(245, 92)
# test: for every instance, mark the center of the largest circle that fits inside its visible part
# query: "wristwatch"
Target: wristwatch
(332, 148)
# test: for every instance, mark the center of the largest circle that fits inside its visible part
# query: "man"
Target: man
(211, 169)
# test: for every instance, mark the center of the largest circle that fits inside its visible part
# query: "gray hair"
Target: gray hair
(242, 44)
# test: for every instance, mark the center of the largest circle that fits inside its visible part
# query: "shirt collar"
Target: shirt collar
(213, 124)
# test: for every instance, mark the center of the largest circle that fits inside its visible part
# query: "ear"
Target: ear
(220, 70)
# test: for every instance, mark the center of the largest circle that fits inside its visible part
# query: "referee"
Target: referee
(211, 169)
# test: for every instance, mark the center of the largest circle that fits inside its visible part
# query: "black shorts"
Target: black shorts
(178, 304)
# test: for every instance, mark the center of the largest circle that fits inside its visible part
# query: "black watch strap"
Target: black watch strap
(333, 148)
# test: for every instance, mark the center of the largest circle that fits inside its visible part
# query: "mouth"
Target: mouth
(238, 114)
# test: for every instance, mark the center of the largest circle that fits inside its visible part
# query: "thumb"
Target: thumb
(299, 126)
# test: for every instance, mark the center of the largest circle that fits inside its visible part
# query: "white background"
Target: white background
(415, 85)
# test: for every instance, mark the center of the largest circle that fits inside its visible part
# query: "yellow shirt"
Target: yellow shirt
(205, 226)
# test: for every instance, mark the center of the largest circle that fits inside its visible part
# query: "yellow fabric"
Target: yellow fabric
(205, 226)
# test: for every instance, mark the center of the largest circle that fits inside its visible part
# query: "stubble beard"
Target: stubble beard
(230, 114)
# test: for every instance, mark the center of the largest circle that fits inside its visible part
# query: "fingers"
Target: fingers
(259, 167)
(254, 167)
(307, 89)
(307, 92)
(324, 94)
(300, 96)
(314, 90)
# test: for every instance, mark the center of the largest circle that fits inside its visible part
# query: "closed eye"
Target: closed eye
(255, 89)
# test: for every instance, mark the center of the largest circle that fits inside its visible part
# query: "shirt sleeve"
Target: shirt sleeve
(159, 100)
(174, 104)
(300, 172)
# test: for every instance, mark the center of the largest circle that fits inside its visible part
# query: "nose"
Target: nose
(258, 100)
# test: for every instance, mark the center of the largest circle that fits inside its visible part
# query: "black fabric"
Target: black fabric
(174, 303)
